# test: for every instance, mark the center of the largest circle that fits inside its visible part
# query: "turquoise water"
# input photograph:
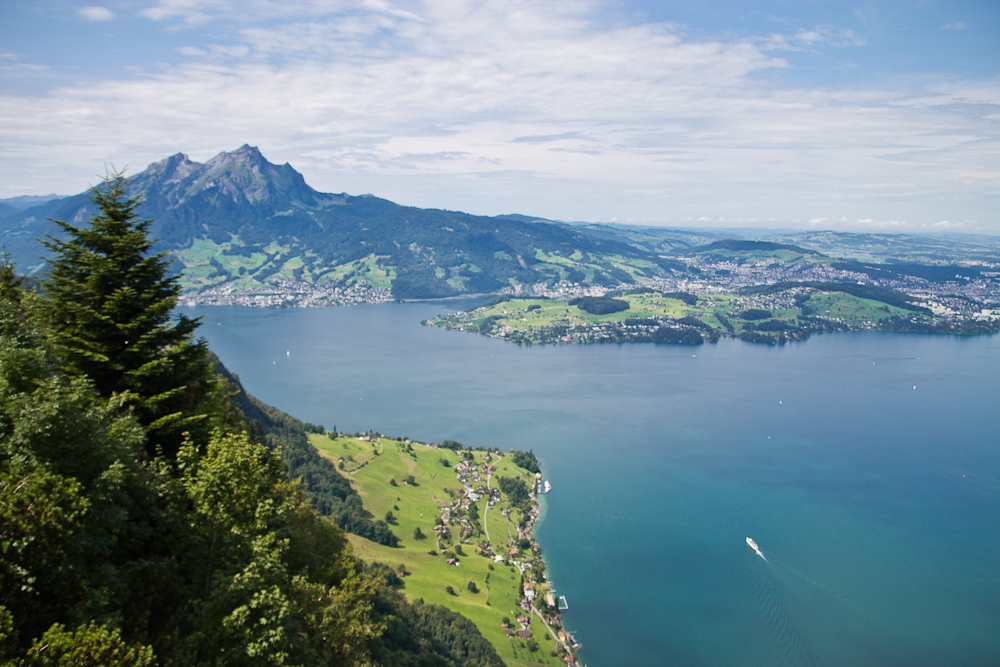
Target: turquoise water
(866, 466)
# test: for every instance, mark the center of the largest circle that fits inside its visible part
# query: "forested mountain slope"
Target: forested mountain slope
(240, 219)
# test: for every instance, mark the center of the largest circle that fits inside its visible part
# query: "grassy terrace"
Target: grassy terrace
(370, 465)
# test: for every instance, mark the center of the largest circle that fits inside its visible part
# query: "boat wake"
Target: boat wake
(787, 644)
(784, 594)
(793, 579)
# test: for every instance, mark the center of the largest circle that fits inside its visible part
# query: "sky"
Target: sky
(852, 116)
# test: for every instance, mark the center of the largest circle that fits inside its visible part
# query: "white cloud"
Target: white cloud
(95, 13)
(958, 25)
(10, 62)
(803, 38)
(189, 12)
(501, 106)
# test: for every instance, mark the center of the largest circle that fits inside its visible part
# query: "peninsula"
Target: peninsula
(772, 314)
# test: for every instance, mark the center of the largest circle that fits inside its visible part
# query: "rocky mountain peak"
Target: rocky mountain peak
(245, 156)
(172, 169)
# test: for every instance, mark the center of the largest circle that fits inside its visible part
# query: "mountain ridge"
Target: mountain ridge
(238, 204)
(245, 230)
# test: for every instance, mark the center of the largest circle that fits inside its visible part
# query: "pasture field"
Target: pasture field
(853, 309)
(203, 258)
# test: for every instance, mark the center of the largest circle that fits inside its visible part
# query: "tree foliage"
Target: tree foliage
(516, 491)
(88, 646)
(686, 297)
(599, 305)
(328, 491)
(109, 302)
(424, 635)
(678, 336)
(753, 314)
(526, 460)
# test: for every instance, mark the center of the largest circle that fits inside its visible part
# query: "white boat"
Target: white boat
(544, 488)
(753, 545)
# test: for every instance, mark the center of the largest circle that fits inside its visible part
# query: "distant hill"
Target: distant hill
(242, 220)
(742, 246)
(14, 204)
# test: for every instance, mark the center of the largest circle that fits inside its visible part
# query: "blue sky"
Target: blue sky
(862, 116)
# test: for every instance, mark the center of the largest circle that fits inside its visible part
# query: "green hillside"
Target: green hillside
(379, 469)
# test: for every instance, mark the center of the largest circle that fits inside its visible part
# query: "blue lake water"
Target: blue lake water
(866, 466)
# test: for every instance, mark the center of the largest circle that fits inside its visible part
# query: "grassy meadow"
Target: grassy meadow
(207, 264)
(372, 467)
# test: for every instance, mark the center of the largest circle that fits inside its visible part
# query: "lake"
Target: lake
(865, 465)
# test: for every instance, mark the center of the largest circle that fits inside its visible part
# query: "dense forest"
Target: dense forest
(526, 460)
(516, 491)
(146, 517)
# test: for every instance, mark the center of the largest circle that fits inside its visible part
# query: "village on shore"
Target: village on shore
(488, 516)
(538, 593)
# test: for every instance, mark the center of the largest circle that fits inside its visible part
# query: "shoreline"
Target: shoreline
(564, 637)
(548, 617)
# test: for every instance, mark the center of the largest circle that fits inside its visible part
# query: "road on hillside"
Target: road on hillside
(486, 524)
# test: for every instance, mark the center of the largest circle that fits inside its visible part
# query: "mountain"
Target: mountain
(241, 222)
(15, 204)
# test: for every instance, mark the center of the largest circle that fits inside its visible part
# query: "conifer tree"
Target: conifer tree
(109, 301)
(10, 283)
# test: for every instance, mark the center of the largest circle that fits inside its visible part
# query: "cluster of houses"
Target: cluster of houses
(473, 478)
(283, 292)
(473, 475)
(524, 632)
